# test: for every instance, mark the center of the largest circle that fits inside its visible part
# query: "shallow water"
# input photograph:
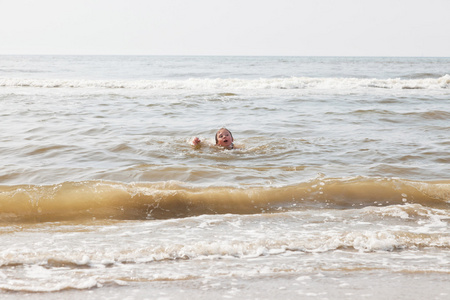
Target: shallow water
(339, 187)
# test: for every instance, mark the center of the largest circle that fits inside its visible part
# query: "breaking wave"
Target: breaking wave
(218, 83)
(166, 200)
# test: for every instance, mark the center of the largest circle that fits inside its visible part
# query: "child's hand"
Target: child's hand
(196, 141)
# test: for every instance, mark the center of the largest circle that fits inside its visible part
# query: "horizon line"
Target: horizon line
(231, 55)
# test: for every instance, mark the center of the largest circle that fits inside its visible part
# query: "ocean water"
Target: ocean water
(338, 188)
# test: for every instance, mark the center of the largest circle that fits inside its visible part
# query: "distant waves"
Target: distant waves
(430, 83)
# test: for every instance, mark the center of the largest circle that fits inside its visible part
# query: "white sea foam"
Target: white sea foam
(53, 286)
(235, 83)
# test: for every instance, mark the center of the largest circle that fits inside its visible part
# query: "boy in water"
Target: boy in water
(224, 138)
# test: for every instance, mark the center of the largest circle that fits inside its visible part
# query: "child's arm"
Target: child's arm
(196, 142)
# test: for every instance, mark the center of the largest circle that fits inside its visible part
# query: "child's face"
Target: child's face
(224, 138)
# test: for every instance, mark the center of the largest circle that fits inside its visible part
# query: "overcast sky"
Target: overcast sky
(226, 27)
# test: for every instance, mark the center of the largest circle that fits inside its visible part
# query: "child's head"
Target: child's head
(224, 138)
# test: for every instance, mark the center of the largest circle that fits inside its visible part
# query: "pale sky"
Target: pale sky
(226, 27)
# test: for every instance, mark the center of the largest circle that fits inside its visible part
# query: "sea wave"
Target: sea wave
(235, 83)
(166, 200)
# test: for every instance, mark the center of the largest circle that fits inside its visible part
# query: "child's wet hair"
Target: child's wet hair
(217, 141)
